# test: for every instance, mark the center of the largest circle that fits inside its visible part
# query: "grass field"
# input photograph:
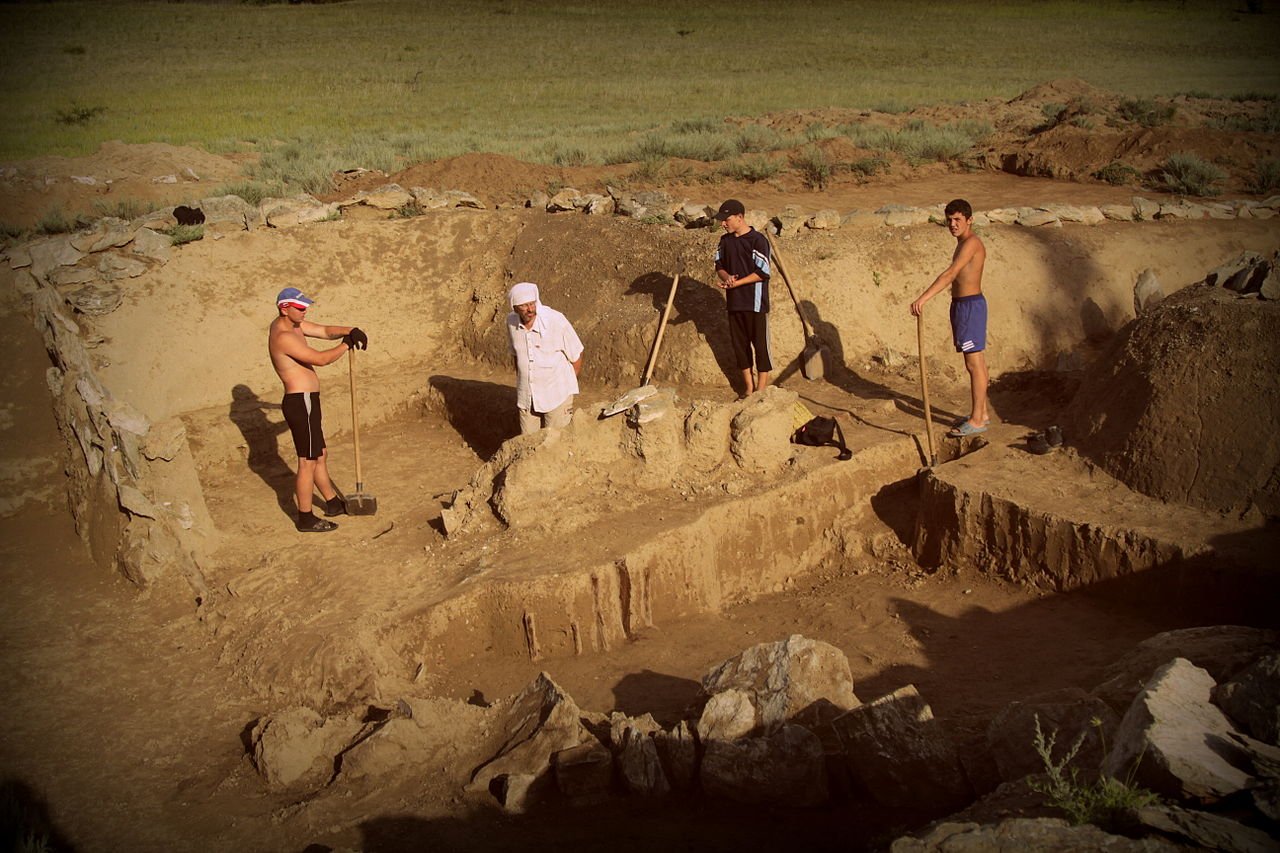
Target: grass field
(376, 80)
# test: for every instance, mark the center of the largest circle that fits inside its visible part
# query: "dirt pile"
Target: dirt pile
(1183, 406)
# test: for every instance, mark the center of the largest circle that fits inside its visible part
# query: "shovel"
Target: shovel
(811, 358)
(924, 389)
(358, 503)
(635, 395)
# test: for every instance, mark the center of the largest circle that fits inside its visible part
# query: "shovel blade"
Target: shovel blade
(811, 361)
(361, 504)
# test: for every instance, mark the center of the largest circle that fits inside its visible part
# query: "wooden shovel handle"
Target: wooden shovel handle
(355, 417)
(786, 279)
(924, 388)
(662, 327)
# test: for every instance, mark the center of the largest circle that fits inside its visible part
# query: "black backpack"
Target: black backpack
(820, 431)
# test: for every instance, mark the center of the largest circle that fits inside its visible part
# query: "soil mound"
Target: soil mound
(1183, 405)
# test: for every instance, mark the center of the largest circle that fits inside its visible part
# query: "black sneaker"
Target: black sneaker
(315, 525)
(1038, 444)
(1053, 435)
(335, 506)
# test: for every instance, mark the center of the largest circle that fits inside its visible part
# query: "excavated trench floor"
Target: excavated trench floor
(631, 607)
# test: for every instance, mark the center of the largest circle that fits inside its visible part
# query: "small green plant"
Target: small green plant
(1187, 174)
(180, 234)
(876, 278)
(77, 114)
(1053, 115)
(1118, 174)
(570, 157)
(1266, 179)
(1268, 121)
(813, 166)
(124, 208)
(11, 232)
(1106, 802)
(332, 216)
(751, 169)
(756, 138)
(869, 167)
(254, 191)
(56, 222)
(817, 130)
(1083, 122)
(649, 169)
(1145, 112)
(405, 211)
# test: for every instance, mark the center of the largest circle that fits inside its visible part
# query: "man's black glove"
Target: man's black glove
(356, 339)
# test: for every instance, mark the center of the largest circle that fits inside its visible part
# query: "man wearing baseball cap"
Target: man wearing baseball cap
(743, 269)
(295, 362)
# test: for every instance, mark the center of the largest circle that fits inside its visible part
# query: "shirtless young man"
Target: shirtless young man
(296, 362)
(968, 311)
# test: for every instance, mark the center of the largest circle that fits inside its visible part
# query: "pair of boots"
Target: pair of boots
(1044, 442)
(309, 523)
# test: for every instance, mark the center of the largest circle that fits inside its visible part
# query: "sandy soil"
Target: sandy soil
(125, 718)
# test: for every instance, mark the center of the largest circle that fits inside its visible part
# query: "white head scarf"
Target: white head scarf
(525, 291)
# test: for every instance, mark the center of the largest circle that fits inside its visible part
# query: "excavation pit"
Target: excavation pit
(626, 560)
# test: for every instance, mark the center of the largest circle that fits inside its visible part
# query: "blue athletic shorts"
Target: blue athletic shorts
(969, 323)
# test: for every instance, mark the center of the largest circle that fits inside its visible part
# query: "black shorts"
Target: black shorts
(749, 330)
(302, 414)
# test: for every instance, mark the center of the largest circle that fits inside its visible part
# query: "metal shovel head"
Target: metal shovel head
(360, 503)
(629, 399)
(811, 360)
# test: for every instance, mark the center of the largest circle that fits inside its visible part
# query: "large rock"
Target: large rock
(1243, 274)
(95, 300)
(760, 434)
(107, 233)
(565, 200)
(1222, 650)
(295, 749)
(678, 751)
(898, 753)
(48, 255)
(694, 215)
(639, 765)
(228, 213)
(1175, 742)
(1252, 698)
(1205, 830)
(287, 212)
(1068, 715)
(583, 773)
(385, 197)
(114, 267)
(728, 715)
(1027, 834)
(1147, 292)
(786, 768)
(536, 723)
(150, 244)
(797, 679)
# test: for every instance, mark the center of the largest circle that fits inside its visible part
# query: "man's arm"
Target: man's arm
(303, 354)
(328, 333)
(577, 367)
(945, 279)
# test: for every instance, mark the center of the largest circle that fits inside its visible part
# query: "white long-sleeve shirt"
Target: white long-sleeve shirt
(544, 354)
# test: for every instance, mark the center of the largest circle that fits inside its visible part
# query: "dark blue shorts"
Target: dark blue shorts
(969, 323)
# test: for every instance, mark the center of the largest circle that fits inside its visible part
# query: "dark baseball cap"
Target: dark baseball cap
(731, 207)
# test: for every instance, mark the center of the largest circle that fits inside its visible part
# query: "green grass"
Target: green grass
(752, 168)
(813, 166)
(1118, 174)
(393, 80)
(1104, 802)
(180, 234)
(125, 208)
(1145, 112)
(920, 141)
(1266, 178)
(1189, 175)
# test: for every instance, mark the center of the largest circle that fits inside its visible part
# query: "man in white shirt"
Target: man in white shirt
(548, 359)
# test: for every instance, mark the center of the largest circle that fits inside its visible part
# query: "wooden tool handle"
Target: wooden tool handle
(786, 279)
(924, 388)
(662, 327)
(355, 417)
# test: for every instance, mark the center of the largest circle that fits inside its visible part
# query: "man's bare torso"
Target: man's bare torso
(297, 377)
(968, 281)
